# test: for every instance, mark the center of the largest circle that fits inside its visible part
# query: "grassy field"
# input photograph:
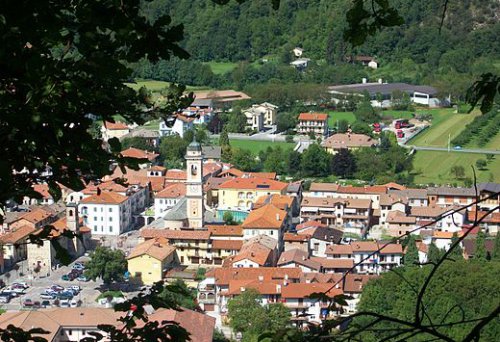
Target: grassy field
(219, 68)
(397, 114)
(157, 86)
(334, 116)
(434, 167)
(494, 143)
(445, 124)
(257, 146)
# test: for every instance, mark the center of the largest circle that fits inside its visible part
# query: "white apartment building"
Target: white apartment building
(168, 198)
(106, 213)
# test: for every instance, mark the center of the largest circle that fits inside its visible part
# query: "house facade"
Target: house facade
(315, 123)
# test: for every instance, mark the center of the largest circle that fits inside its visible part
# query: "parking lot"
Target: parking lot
(88, 294)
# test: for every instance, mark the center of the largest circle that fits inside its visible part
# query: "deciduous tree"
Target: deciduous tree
(106, 263)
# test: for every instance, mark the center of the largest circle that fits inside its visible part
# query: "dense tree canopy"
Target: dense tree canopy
(106, 263)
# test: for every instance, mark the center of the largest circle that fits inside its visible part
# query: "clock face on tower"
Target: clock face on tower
(193, 188)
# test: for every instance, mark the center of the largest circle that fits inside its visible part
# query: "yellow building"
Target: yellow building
(148, 261)
(242, 193)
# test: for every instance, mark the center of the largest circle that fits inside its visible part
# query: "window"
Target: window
(110, 210)
(95, 209)
(110, 229)
(95, 218)
(110, 219)
(95, 228)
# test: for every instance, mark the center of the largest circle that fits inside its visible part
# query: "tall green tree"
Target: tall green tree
(244, 159)
(178, 293)
(457, 253)
(480, 252)
(224, 138)
(343, 164)
(411, 256)
(434, 253)
(61, 61)
(106, 263)
(495, 255)
(315, 161)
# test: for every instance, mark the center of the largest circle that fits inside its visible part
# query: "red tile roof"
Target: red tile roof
(17, 235)
(115, 125)
(224, 275)
(171, 234)
(42, 189)
(354, 283)
(225, 230)
(301, 290)
(157, 248)
(265, 217)
(313, 117)
(176, 174)
(133, 152)
(172, 190)
(227, 244)
(105, 198)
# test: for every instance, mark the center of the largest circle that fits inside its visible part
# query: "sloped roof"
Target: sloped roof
(176, 174)
(157, 248)
(449, 191)
(281, 201)
(336, 263)
(354, 283)
(301, 290)
(173, 190)
(42, 189)
(266, 217)
(329, 187)
(227, 244)
(17, 235)
(313, 117)
(300, 257)
(105, 198)
(223, 276)
(36, 215)
(115, 125)
(397, 216)
(225, 230)
(133, 152)
(171, 234)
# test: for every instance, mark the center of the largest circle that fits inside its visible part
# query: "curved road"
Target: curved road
(444, 149)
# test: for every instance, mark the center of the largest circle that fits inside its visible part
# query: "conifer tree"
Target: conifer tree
(434, 253)
(496, 249)
(480, 252)
(457, 252)
(411, 256)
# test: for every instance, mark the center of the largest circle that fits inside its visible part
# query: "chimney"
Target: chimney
(277, 217)
(303, 258)
(98, 191)
(363, 80)
(379, 81)
(278, 288)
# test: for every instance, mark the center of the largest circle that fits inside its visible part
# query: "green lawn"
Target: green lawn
(156, 86)
(257, 146)
(494, 143)
(445, 124)
(333, 117)
(219, 68)
(434, 167)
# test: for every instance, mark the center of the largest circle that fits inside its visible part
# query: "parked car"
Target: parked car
(11, 294)
(75, 288)
(57, 287)
(47, 296)
(22, 284)
(83, 278)
(74, 304)
(65, 295)
(64, 303)
(36, 304)
(27, 303)
(4, 298)
(457, 147)
(45, 304)
(65, 277)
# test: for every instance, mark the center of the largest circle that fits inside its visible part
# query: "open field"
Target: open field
(156, 86)
(220, 68)
(334, 116)
(434, 167)
(257, 146)
(397, 114)
(445, 125)
(494, 143)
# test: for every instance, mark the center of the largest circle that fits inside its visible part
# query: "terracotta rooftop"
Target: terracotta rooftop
(316, 277)
(105, 198)
(227, 244)
(291, 237)
(175, 174)
(487, 218)
(397, 216)
(133, 152)
(449, 191)
(224, 275)
(265, 217)
(172, 190)
(313, 117)
(17, 235)
(36, 215)
(255, 252)
(392, 198)
(236, 287)
(298, 256)
(283, 202)
(309, 224)
(115, 125)
(336, 263)
(338, 250)
(364, 246)
(107, 186)
(430, 211)
(225, 230)
(157, 248)
(391, 248)
(348, 140)
(254, 183)
(301, 290)
(42, 189)
(170, 234)
(354, 283)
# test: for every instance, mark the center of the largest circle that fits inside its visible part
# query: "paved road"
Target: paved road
(444, 149)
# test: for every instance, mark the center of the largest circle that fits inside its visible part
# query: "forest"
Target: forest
(260, 39)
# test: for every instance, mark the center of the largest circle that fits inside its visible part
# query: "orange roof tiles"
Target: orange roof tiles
(264, 288)
(364, 246)
(36, 215)
(321, 187)
(224, 275)
(105, 198)
(175, 174)
(338, 250)
(227, 244)
(115, 125)
(391, 248)
(254, 183)
(354, 283)
(42, 189)
(133, 152)
(171, 234)
(313, 117)
(487, 218)
(225, 230)
(157, 248)
(17, 235)
(265, 217)
(110, 186)
(254, 252)
(173, 190)
(437, 234)
(281, 201)
(296, 237)
(309, 224)
(334, 263)
(301, 290)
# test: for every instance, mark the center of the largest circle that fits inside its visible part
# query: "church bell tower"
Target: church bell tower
(194, 185)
